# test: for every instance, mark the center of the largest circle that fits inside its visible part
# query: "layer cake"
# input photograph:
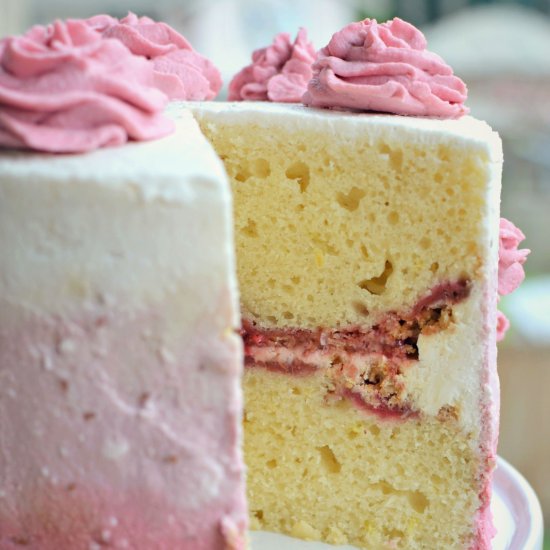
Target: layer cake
(367, 262)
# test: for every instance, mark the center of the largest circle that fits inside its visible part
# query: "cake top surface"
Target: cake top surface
(469, 130)
(155, 169)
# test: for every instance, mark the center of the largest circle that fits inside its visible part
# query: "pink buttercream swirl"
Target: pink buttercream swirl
(65, 89)
(510, 267)
(279, 72)
(180, 71)
(385, 67)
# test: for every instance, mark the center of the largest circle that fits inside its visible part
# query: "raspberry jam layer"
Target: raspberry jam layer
(363, 365)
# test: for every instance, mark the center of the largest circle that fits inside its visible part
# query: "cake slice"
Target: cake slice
(120, 366)
(367, 263)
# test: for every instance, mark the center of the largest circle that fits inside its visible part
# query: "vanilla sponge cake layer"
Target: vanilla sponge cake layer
(326, 470)
(341, 217)
(120, 397)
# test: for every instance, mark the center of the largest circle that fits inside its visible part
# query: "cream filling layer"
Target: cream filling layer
(446, 377)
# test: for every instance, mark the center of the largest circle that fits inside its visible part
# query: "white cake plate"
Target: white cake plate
(516, 510)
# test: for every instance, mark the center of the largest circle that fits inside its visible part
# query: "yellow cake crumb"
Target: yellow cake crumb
(304, 531)
(328, 471)
(329, 234)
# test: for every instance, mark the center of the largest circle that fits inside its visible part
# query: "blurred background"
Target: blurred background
(501, 49)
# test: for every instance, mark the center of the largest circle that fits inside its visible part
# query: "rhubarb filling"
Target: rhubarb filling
(364, 365)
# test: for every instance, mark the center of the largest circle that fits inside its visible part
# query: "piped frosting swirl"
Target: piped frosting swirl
(179, 71)
(279, 72)
(65, 89)
(385, 67)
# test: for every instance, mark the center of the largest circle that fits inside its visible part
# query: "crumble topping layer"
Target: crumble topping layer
(366, 365)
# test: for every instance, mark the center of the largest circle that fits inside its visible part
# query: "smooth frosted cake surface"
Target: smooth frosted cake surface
(119, 358)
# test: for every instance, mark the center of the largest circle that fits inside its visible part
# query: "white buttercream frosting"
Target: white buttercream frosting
(467, 130)
(104, 218)
(119, 358)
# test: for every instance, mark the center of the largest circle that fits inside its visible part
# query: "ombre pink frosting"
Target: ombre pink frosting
(179, 71)
(114, 440)
(385, 67)
(65, 89)
(279, 72)
(503, 324)
(510, 266)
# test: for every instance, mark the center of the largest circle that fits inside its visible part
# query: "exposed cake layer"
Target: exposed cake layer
(427, 360)
(119, 359)
(342, 219)
(352, 215)
(328, 470)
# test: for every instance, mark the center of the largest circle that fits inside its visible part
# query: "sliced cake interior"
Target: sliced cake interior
(366, 256)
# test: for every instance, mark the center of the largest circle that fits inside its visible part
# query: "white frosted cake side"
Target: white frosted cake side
(120, 366)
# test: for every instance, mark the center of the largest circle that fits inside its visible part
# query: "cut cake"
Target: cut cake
(367, 263)
(367, 252)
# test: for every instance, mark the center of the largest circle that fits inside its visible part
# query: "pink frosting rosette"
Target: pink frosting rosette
(510, 266)
(180, 72)
(385, 67)
(65, 89)
(279, 72)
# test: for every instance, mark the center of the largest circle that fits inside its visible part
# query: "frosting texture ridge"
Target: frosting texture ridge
(384, 67)
(179, 71)
(65, 89)
(510, 266)
(279, 72)
(510, 258)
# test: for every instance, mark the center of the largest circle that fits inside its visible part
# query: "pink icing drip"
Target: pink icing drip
(510, 267)
(279, 72)
(485, 527)
(503, 324)
(510, 275)
(179, 71)
(65, 89)
(385, 67)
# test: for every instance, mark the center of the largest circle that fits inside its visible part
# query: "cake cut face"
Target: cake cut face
(120, 366)
(366, 259)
